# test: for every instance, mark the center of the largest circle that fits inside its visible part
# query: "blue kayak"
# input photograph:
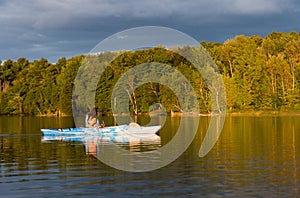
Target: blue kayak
(124, 133)
(84, 131)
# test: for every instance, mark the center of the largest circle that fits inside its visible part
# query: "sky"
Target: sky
(53, 29)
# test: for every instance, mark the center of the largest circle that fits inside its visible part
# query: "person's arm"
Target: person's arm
(86, 121)
(97, 123)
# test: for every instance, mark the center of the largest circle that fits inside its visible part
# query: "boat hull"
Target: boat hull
(123, 133)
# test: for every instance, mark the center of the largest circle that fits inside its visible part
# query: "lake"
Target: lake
(254, 157)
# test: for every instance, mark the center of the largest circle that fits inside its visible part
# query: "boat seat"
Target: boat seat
(134, 125)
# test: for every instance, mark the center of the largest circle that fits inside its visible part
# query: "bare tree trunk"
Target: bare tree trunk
(5, 85)
(283, 89)
(230, 67)
(293, 77)
(133, 101)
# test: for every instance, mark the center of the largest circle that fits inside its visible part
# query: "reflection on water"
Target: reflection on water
(133, 145)
(254, 157)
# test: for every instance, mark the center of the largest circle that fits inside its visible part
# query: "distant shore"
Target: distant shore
(265, 113)
(178, 114)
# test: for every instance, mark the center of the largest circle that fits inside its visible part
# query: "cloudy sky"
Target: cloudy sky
(57, 28)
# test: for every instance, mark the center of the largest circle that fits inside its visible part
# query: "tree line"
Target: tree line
(259, 74)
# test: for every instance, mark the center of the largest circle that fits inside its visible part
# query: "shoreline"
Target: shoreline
(178, 114)
(265, 113)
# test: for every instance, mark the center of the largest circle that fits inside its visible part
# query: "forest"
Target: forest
(259, 74)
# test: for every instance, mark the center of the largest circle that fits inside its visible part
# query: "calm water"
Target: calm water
(254, 157)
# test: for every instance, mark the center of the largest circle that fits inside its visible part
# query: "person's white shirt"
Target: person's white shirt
(87, 123)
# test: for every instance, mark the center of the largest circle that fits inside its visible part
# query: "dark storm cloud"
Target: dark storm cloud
(53, 28)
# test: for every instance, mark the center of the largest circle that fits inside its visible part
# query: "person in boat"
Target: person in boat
(91, 119)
